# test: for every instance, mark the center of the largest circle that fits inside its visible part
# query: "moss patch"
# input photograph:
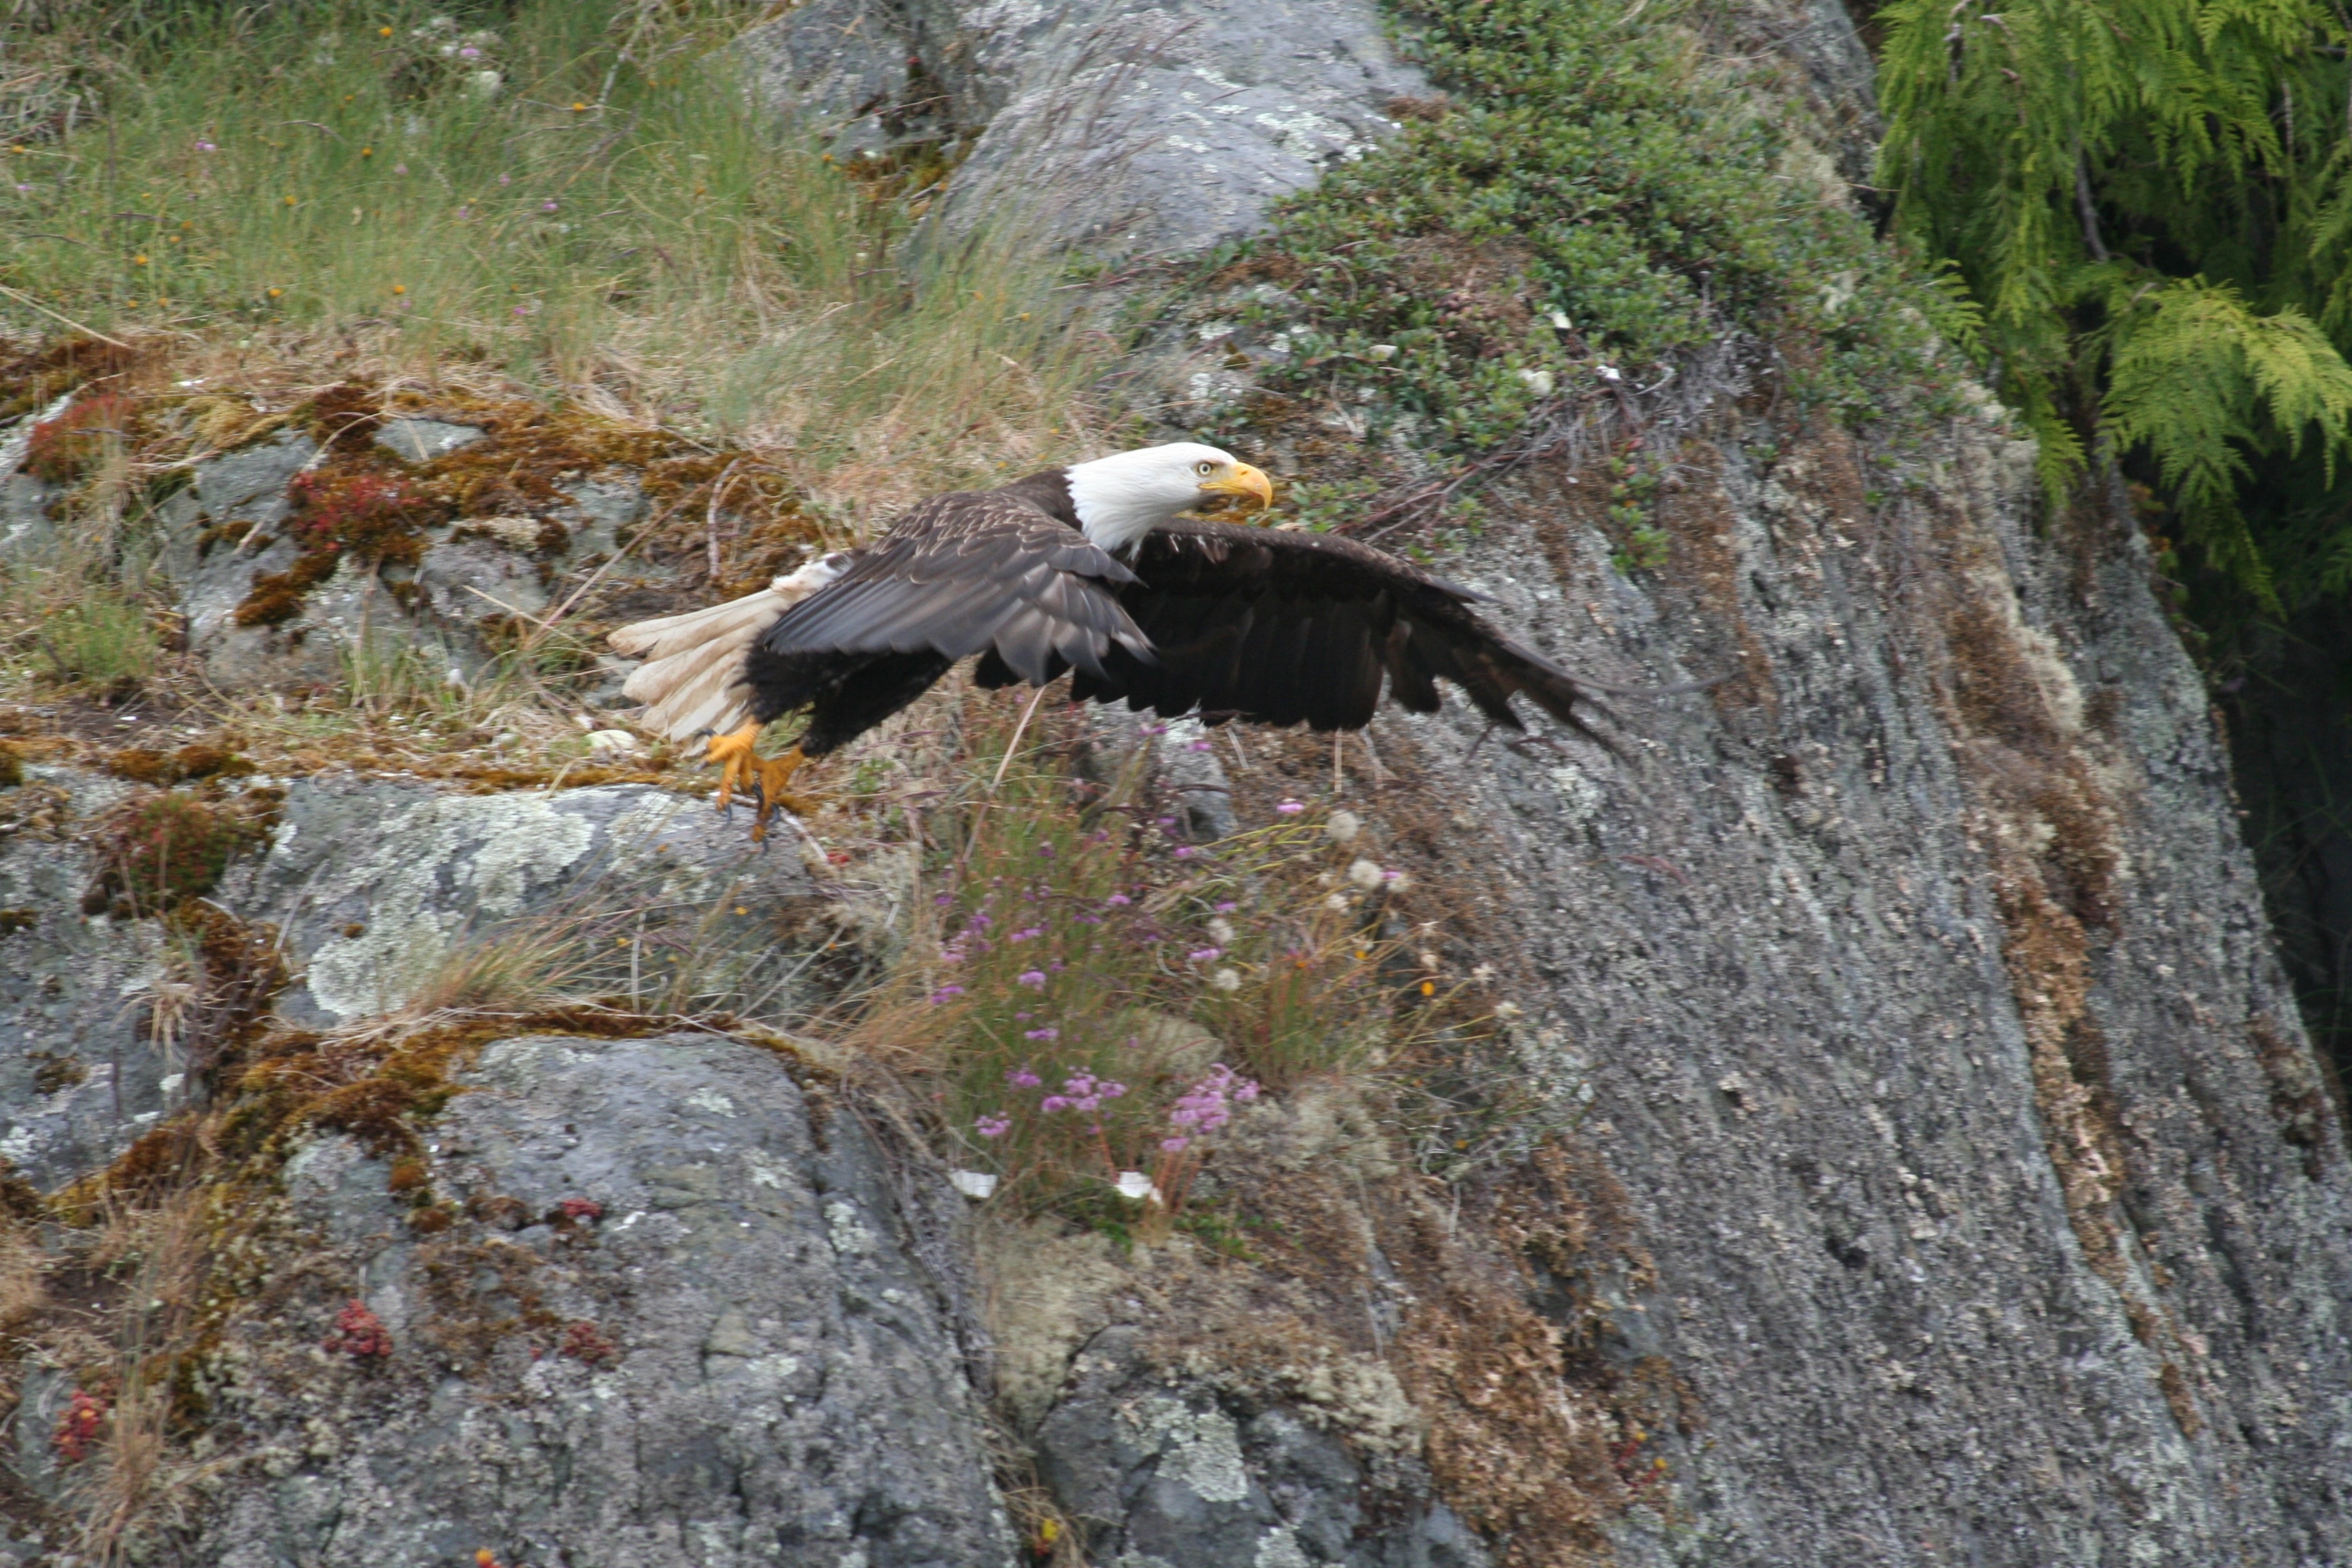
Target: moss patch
(156, 853)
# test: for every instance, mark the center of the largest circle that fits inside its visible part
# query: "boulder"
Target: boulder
(1131, 131)
(219, 542)
(724, 1355)
(378, 890)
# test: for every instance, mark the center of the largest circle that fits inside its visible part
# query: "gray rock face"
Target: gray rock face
(1981, 1229)
(1131, 128)
(1172, 1477)
(840, 67)
(81, 1076)
(248, 487)
(381, 891)
(757, 1373)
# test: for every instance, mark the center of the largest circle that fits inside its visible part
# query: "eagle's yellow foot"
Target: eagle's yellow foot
(773, 777)
(737, 761)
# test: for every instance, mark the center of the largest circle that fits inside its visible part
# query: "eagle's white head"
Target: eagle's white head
(1121, 498)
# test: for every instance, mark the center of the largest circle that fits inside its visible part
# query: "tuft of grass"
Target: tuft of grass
(101, 641)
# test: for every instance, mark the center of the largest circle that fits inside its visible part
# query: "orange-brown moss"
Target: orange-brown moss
(200, 760)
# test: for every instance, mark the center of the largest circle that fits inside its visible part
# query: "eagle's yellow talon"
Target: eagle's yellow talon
(737, 761)
(770, 779)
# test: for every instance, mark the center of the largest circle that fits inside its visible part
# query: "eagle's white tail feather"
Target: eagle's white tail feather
(691, 681)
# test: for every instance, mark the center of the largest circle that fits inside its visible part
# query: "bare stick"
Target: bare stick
(1014, 745)
(710, 517)
(1380, 773)
(1339, 775)
(23, 299)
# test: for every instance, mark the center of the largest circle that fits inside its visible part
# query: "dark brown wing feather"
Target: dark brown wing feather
(974, 571)
(1283, 627)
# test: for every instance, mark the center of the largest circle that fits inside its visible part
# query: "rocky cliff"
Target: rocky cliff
(1898, 1144)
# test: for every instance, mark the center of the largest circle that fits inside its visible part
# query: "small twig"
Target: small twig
(23, 299)
(711, 519)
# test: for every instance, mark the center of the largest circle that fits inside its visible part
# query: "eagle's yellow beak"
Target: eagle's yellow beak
(1242, 480)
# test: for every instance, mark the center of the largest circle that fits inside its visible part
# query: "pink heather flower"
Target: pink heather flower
(993, 1126)
(1021, 1078)
(941, 900)
(1111, 1090)
(1391, 876)
(1078, 1083)
(469, 53)
(1167, 822)
(1290, 808)
(548, 207)
(1173, 1145)
(208, 146)
(1201, 745)
(1118, 900)
(400, 168)
(944, 992)
(1049, 1033)
(1246, 1090)
(1035, 978)
(1026, 935)
(1185, 852)
(1046, 850)
(1053, 1102)
(1228, 907)
(1089, 1103)
(1207, 954)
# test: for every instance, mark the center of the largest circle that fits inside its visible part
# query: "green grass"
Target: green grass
(622, 218)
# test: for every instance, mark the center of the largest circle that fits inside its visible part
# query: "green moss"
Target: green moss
(1587, 216)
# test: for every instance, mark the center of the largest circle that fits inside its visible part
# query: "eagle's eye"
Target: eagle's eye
(1206, 468)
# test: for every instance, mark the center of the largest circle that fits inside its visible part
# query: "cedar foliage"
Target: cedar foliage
(2151, 200)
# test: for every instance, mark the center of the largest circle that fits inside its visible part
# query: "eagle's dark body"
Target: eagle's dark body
(1225, 622)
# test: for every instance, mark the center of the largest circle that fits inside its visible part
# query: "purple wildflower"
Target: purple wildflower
(1021, 1078)
(1048, 1033)
(1118, 901)
(208, 146)
(993, 1126)
(944, 992)
(1228, 907)
(1207, 954)
(1289, 808)
(1033, 977)
(1185, 852)
(550, 206)
(1053, 1102)
(1173, 1145)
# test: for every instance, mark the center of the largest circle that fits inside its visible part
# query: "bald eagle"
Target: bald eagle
(1090, 570)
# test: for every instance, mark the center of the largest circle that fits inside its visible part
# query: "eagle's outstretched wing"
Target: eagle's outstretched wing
(974, 572)
(1282, 626)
